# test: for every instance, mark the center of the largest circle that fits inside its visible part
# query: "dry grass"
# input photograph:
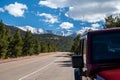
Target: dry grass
(25, 57)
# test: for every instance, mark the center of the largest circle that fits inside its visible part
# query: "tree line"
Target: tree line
(16, 45)
(112, 21)
(76, 45)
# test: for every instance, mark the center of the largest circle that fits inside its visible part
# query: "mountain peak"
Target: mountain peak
(60, 32)
(33, 30)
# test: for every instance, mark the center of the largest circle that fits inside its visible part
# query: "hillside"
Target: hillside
(63, 43)
(13, 29)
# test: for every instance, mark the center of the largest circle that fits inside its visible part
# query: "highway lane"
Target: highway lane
(51, 67)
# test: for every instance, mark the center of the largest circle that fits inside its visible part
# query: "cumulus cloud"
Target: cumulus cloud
(2, 10)
(16, 9)
(54, 3)
(49, 18)
(93, 10)
(83, 30)
(93, 27)
(32, 29)
(66, 25)
(87, 10)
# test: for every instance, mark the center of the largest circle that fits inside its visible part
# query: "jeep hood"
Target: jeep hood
(113, 74)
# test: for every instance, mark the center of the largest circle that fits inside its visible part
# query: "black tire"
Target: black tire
(77, 74)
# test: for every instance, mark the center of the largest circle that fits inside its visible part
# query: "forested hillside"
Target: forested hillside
(62, 43)
(15, 42)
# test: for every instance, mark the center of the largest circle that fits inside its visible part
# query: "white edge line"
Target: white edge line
(37, 70)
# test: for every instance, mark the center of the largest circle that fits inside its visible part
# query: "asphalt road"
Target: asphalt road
(51, 67)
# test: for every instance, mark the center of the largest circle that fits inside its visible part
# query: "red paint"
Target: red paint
(94, 68)
(113, 74)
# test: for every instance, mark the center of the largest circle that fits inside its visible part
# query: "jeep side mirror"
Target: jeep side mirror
(77, 61)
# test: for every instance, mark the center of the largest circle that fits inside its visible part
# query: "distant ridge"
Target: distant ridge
(64, 43)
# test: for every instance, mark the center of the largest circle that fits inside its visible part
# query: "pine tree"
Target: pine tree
(51, 48)
(10, 47)
(3, 41)
(28, 46)
(111, 22)
(17, 44)
(75, 46)
(44, 47)
(10, 36)
(37, 47)
(54, 48)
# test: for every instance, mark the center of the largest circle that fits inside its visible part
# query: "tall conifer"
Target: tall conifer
(28, 46)
(17, 43)
(3, 41)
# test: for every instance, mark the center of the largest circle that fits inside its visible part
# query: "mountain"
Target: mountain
(63, 32)
(13, 29)
(63, 43)
(73, 35)
(33, 30)
(60, 32)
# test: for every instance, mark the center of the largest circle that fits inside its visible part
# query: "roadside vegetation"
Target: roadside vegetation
(112, 22)
(75, 46)
(15, 45)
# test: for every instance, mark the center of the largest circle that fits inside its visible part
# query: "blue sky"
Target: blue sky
(74, 15)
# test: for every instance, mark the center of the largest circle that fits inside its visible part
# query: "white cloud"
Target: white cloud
(16, 9)
(66, 25)
(2, 10)
(32, 29)
(93, 27)
(93, 10)
(66, 14)
(83, 30)
(79, 32)
(49, 18)
(96, 25)
(55, 3)
(87, 10)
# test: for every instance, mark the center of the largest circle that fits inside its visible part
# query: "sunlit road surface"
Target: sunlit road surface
(51, 67)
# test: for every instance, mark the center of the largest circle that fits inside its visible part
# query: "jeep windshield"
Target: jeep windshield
(106, 47)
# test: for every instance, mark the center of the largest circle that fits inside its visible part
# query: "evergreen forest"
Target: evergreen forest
(16, 43)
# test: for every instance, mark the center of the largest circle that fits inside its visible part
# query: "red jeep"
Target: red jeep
(99, 55)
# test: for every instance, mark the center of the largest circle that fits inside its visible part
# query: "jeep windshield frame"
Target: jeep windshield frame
(105, 46)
